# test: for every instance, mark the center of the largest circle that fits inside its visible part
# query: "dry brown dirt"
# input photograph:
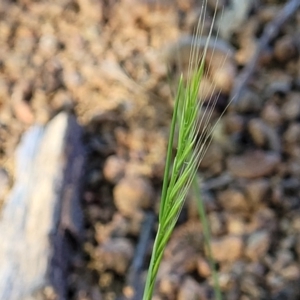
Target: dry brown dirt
(112, 63)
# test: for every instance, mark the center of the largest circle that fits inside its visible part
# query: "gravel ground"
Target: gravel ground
(105, 61)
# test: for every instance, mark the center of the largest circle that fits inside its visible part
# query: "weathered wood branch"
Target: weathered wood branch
(270, 31)
(41, 221)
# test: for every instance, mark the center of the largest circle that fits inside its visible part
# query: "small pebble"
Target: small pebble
(292, 134)
(256, 191)
(203, 267)
(20, 107)
(283, 259)
(233, 200)
(191, 289)
(258, 245)
(264, 135)
(114, 169)
(235, 224)
(249, 102)
(132, 194)
(291, 273)
(169, 285)
(253, 164)
(263, 218)
(272, 114)
(291, 108)
(228, 248)
(280, 83)
(62, 100)
(285, 48)
(234, 123)
(216, 222)
(249, 285)
(115, 254)
(213, 158)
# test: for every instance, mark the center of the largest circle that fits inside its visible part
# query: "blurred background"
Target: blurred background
(114, 65)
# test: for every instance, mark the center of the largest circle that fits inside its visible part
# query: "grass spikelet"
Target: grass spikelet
(181, 170)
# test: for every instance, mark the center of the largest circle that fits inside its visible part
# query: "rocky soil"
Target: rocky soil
(113, 64)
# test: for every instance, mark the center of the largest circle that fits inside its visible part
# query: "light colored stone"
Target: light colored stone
(249, 102)
(192, 290)
(291, 108)
(216, 221)
(115, 254)
(256, 191)
(233, 200)
(203, 267)
(234, 123)
(22, 110)
(264, 135)
(41, 221)
(114, 168)
(272, 114)
(233, 17)
(258, 245)
(285, 48)
(263, 218)
(228, 248)
(291, 272)
(169, 285)
(235, 224)
(282, 260)
(132, 194)
(292, 134)
(253, 164)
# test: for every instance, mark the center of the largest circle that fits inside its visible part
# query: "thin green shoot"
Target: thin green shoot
(177, 179)
(207, 238)
(180, 174)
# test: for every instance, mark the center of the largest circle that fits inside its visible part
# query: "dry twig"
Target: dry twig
(271, 30)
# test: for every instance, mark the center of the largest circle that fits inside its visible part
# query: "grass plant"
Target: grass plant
(181, 168)
(207, 238)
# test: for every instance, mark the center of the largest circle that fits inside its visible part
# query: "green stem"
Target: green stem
(156, 258)
(169, 151)
(207, 238)
(157, 253)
